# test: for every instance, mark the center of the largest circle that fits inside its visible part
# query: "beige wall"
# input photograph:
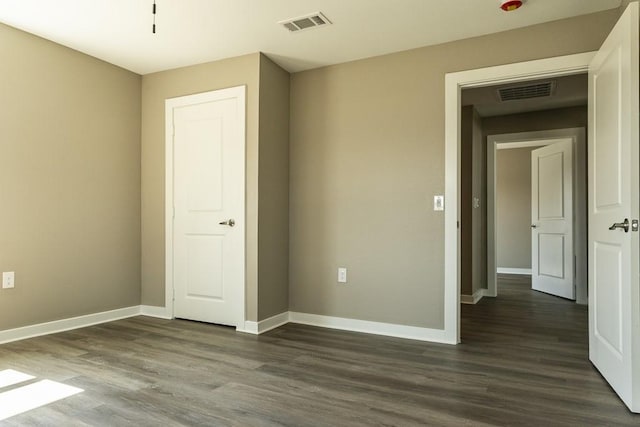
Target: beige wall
(479, 211)
(560, 118)
(367, 156)
(273, 219)
(70, 182)
(472, 203)
(513, 208)
(466, 199)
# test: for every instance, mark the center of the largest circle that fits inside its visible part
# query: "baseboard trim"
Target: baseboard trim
(369, 327)
(153, 311)
(257, 328)
(507, 270)
(250, 327)
(473, 299)
(273, 322)
(62, 325)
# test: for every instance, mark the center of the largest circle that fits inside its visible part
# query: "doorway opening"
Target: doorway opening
(536, 220)
(523, 189)
(550, 68)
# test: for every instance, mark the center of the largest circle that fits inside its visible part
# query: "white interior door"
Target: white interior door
(614, 299)
(552, 260)
(208, 200)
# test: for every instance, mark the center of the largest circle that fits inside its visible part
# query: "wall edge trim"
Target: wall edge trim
(62, 325)
(265, 325)
(369, 327)
(157, 312)
(473, 299)
(250, 327)
(509, 270)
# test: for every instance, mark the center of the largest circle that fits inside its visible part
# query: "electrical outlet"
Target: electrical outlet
(8, 279)
(342, 275)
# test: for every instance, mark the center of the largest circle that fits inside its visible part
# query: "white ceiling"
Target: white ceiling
(196, 31)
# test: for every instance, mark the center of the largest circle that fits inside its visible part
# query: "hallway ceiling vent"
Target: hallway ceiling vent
(535, 90)
(307, 22)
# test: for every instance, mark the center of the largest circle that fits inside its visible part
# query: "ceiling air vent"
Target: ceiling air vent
(535, 90)
(306, 22)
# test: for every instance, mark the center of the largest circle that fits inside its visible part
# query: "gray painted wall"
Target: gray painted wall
(367, 157)
(273, 194)
(513, 208)
(472, 203)
(69, 182)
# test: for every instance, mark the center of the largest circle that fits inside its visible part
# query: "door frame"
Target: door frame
(238, 92)
(454, 83)
(579, 169)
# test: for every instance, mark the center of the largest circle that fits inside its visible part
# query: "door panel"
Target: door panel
(204, 267)
(552, 219)
(208, 190)
(550, 178)
(551, 255)
(614, 298)
(607, 303)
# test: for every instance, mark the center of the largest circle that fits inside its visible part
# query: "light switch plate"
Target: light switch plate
(438, 203)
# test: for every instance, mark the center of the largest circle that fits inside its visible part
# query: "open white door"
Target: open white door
(552, 260)
(614, 298)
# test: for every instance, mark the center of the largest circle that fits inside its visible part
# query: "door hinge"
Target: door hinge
(173, 214)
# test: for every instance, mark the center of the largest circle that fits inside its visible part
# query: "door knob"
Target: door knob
(624, 225)
(229, 222)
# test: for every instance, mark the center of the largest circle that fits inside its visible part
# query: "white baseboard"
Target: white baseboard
(507, 270)
(354, 325)
(47, 328)
(273, 322)
(265, 325)
(250, 327)
(377, 328)
(153, 311)
(473, 299)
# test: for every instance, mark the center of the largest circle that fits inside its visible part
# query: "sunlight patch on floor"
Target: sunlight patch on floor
(10, 377)
(31, 396)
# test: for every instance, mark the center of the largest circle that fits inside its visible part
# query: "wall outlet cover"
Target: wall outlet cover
(8, 279)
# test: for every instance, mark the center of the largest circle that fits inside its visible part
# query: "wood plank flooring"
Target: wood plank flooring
(523, 361)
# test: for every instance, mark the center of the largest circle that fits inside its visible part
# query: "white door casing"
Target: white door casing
(205, 201)
(552, 259)
(614, 298)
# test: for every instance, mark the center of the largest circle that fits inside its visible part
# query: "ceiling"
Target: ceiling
(196, 31)
(569, 91)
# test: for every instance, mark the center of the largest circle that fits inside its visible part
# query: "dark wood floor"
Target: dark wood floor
(523, 361)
